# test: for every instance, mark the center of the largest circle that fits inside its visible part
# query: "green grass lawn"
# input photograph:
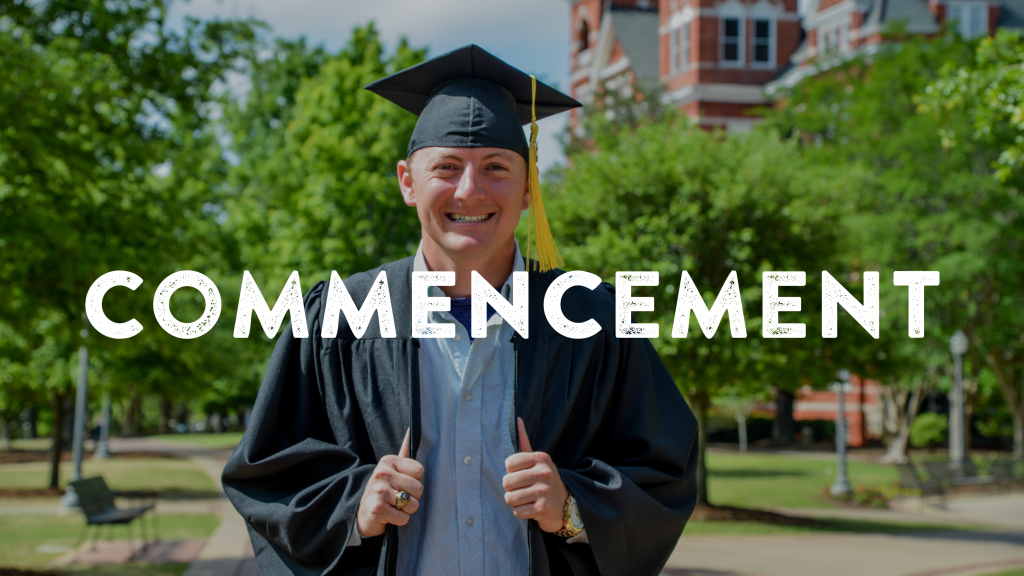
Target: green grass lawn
(21, 535)
(222, 440)
(33, 444)
(770, 480)
(1018, 572)
(173, 478)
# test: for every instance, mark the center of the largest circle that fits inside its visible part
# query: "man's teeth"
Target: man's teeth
(467, 218)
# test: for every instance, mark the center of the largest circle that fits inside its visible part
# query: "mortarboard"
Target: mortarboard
(469, 98)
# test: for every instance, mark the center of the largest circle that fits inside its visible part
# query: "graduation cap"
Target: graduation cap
(469, 98)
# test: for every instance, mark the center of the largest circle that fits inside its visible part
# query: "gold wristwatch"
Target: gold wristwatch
(572, 523)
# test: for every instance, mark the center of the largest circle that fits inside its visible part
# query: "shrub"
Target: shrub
(929, 429)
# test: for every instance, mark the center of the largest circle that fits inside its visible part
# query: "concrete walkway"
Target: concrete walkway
(227, 550)
(998, 546)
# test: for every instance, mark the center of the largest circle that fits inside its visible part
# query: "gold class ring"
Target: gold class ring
(402, 499)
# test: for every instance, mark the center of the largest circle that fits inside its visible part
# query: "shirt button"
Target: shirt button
(469, 521)
(468, 460)
(469, 397)
(457, 337)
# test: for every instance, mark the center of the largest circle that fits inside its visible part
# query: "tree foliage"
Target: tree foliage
(666, 196)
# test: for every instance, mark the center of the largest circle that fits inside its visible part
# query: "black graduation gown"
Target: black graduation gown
(605, 409)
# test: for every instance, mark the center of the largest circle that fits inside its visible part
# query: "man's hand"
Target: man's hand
(533, 487)
(377, 506)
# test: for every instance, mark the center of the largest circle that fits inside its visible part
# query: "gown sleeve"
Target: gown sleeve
(637, 486)
(298, 474)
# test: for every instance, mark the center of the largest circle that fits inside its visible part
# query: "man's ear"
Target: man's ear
(405, 182)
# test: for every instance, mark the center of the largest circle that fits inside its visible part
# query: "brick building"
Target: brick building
(717, 59)
(863, 408)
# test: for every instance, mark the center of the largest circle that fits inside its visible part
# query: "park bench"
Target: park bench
(1006, 471)
(97, 503)
(969, 475)
(911, 479)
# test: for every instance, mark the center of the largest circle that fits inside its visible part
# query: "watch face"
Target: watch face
(574, 517)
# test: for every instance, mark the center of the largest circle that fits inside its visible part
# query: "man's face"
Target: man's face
(468, 199)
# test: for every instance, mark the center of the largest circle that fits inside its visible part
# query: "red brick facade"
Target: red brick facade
(716, 59)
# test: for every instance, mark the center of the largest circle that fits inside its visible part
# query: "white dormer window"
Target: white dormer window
(971, 17)
(684, 44)
(763, 51)
(828, 39)
(679, 40)
(732, 40)
(673, 50)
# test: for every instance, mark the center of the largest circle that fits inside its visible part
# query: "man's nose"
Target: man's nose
(470, 185)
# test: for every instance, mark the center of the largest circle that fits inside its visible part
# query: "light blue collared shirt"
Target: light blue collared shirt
(463, 526)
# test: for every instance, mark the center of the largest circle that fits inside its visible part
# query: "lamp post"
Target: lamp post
(841, 486)
(70, 499)
(957, 449)
(103, 447)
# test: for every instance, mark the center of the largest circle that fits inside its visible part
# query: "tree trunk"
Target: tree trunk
(900, 407)
(741, 424)
(59, 416)
(700, 403)
(136, 410)
(214, 423)
(166, 409)
(5, 424)
(182, 414)
(784, 427)
(132, 414)
(1013, 395)
(33, 423)
(1018, 433)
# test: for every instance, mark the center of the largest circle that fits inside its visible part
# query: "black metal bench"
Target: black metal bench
(910, 479)
(968, 475)
(97, 503)
(1006, 471)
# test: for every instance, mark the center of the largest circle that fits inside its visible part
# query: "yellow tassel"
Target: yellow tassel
(547, 252)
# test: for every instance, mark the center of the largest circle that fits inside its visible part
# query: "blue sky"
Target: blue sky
(532, 35)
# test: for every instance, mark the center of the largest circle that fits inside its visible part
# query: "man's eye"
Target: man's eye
(446, 167)
(496, 167)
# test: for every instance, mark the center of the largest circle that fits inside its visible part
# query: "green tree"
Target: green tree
(315, 188)
(96, 95)
(980, 104)
(667, 196)
(929, 205)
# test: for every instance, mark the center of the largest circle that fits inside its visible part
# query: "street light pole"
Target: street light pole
(103, 448)
(841, 486)
(957, 427)
(70, 498)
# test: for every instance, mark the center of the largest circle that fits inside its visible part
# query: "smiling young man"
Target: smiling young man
(505, 454)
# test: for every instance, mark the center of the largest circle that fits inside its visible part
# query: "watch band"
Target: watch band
(569, 529)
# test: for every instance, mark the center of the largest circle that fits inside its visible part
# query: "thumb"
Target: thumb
(403, 452)
(524, 441)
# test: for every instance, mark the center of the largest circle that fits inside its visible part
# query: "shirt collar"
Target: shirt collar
(419, 264)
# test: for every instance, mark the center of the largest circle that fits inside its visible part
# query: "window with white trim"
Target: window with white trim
(762, 49)
(684, 44)
(828, 39)
(673, 50)
(732, 40)
(972, 17)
